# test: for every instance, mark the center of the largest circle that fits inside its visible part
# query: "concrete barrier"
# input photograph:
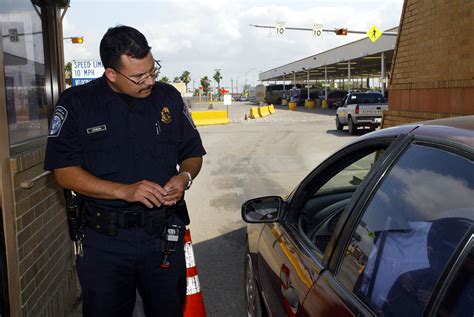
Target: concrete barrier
(210, 117)
(254, 113)
(292, 105)
(308, 103)
(325, 104)
(271, 109)
(263, 111)
(284, 102)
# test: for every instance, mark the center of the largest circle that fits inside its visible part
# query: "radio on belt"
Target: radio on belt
(170, 237)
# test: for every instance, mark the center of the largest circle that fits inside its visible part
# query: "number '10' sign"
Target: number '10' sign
(280, 28)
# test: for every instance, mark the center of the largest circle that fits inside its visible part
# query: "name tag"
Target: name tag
(96, 129)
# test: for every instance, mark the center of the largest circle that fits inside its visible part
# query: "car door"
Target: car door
(289, 264)
(342, 111)
(402, 235)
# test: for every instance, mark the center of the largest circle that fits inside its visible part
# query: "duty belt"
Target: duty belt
(107, 220)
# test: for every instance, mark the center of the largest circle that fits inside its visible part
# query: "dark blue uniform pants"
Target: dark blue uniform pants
(113, 268)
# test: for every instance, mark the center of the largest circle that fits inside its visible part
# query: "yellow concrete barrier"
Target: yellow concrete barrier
(271, 109)
(325, 104)
(284, 102)
(292, 105)
(254, 113)
(210, 117)
(263, 111)
(308, 103)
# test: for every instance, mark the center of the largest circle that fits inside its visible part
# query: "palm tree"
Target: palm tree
(165, 80)
(176, 80)
(185, 78)
(205, 84)
(217, 77)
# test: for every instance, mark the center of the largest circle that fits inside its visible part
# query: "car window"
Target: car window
(365, 98)
(459, 299)
(321, 212)
(409, 230)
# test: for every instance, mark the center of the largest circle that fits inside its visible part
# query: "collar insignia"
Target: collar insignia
(165, 115)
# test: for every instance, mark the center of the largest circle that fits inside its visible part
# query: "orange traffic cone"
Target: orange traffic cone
(194, 304)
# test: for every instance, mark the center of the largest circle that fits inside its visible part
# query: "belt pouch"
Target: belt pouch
(155, 221)
(102, 221)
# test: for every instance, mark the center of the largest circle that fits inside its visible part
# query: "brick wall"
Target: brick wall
(48, 283)
(433, 70)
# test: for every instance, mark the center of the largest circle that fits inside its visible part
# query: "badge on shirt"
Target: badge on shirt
(165, 115)
(57, 122)
(99, 128)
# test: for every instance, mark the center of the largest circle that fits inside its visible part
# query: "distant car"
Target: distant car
(383, 227)
(335, 97)
(361, 109)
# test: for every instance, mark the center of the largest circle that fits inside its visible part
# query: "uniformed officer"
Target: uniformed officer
(128, 147)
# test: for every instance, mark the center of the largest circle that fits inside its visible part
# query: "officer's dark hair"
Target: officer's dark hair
(122, 40)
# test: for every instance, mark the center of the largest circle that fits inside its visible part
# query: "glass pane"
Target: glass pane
(459, 300)
(352, 175)
(409, 230)
(24, 66)
(321, 213)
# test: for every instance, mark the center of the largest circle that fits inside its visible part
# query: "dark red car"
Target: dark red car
(385, 226)
(335, 98)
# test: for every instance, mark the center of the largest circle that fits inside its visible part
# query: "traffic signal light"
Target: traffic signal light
(341, 31)
(77, 39)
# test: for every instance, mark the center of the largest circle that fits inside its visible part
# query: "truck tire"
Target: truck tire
(352, 126)
(339, 125)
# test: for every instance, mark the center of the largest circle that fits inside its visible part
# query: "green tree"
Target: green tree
(205, 84)
(68, 73)
(185, 78)
(176, 80)
(217, 77)
(165, 80)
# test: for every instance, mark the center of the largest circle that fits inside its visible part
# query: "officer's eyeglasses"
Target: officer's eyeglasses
(153, 74)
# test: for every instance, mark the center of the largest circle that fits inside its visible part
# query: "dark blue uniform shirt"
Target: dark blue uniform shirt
(120, 138)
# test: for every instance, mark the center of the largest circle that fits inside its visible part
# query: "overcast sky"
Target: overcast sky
(200, 36)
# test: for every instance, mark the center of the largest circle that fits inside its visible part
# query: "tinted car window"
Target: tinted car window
(410, 228)
(320, 214)
(365, 98)
(459, 300)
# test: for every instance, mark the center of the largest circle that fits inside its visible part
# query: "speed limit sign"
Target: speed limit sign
(280, 28)
(317, 30)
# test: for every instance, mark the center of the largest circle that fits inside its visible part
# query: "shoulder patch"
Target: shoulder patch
(59, 117)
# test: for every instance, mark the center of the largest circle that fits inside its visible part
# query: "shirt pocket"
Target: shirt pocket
(102, 155)
(165, 151)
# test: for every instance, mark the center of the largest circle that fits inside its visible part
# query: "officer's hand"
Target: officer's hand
(148, 193)
(175, 189)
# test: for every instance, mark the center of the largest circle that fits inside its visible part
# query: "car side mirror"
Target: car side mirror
(263, 209)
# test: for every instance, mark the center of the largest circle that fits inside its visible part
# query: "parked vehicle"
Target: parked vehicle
(299, 95)
(361, 109)
(385, 226)
(335, 97)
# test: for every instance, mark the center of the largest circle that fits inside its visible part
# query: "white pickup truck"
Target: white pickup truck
(360, 109)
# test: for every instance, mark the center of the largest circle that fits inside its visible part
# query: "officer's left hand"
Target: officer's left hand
(175, 189)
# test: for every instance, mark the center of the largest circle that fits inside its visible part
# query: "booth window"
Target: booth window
(25, 71)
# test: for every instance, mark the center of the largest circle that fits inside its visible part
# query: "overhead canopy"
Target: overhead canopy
(363, 55)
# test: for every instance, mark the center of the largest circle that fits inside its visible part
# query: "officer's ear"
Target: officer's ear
(111, 74)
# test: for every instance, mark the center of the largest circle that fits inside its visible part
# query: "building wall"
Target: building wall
(433, 71)
(48, 284)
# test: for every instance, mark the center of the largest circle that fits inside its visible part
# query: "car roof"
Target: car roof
(455, 129)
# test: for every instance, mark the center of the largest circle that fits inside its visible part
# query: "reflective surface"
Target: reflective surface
(24, 66)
